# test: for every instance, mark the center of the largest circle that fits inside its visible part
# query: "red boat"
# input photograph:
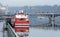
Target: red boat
(21, 22)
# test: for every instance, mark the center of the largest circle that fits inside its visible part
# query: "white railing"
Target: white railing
(11, 32)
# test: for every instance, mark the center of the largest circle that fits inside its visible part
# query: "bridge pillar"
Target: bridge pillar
(52, 20)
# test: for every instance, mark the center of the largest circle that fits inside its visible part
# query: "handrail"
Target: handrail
(11, 32)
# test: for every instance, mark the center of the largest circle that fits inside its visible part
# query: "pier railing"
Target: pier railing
(11, 32)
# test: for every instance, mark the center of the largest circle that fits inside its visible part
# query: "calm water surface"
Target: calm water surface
(36, 32)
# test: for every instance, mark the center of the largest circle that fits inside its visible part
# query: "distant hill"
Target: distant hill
(30, 9)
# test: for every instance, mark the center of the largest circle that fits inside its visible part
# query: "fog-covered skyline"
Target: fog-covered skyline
(29, 2)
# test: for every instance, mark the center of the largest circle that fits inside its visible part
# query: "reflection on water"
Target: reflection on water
(39, 32)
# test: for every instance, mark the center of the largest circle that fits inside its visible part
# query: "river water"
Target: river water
(39, 32)
(36, 32)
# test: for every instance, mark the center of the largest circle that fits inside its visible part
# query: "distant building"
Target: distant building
(2, 9)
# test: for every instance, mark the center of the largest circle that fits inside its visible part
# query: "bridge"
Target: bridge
(51, 17)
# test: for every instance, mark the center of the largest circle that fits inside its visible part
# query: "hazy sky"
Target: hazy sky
(29, 2)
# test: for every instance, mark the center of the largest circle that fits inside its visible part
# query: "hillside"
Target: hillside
(30, 9)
